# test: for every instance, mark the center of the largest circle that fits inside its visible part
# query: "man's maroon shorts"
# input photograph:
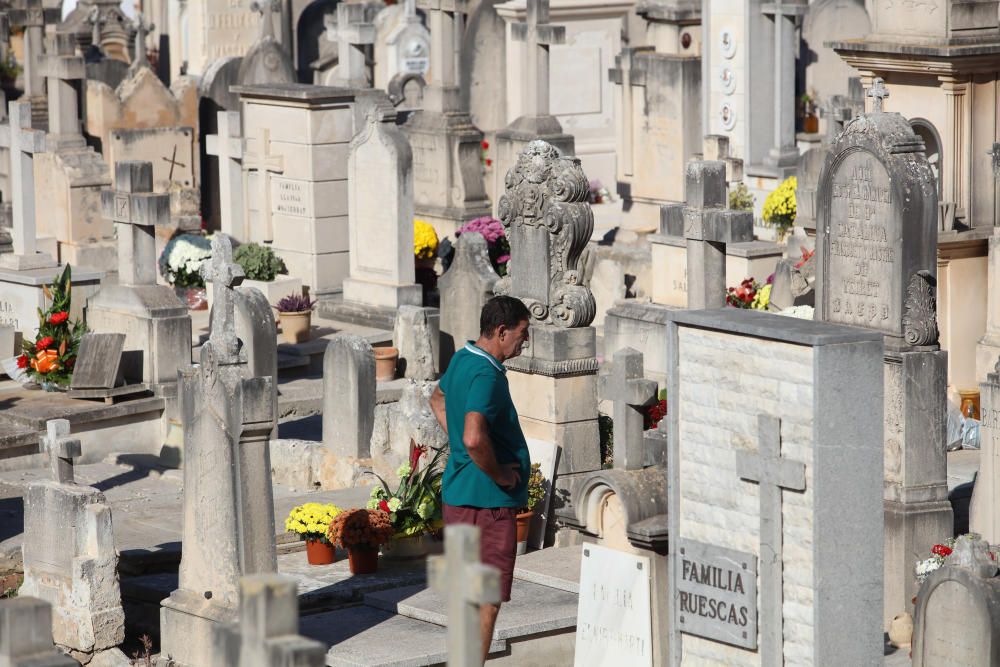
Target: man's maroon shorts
(497, 538)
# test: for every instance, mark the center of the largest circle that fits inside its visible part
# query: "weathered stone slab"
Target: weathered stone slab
(348, 396)
(98, 361)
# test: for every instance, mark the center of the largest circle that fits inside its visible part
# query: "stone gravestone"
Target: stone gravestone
(754, 494)
(984, 516)
(266, 632)
(988, 347)
(348, 396)
(877, 252)
(464, 289)
(154, 322)
(447, 169)
(26, 634)
(266, 62)
(228, 147)
(98, 369)
(613, 621)
(69, 553)
(707, 225)
(465, 583)
(256, 327)
(380, 218)
(228, 508)
(216, 29)
(406, 48)
(630, 394)
(957, 620)
(417, 335)
(554, 382)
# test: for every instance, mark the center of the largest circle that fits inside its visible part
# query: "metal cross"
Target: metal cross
(630, 393)
(136, 212)
(142, 27)
(878, 92)
(172, 160)
(465, 583)
(266, 163)
(228, 146)
(23, 143)
(224, 274)
(538, 35)
(61, 448)
(772, 473)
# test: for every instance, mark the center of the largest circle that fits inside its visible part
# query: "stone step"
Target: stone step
(18, 441)
(557, 567)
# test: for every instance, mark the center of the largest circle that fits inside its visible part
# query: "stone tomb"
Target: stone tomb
(759, 409)
(26, 635)
(216, 29)
(877, 262)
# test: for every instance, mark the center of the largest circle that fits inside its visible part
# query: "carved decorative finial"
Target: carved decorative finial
(878, 92)
(920, 310)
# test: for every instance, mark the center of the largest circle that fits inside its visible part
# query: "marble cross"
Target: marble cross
(465, 583)
(707, 225)
(772, 473)
(353, 33)
(630, 393)
(224, 274)
(878, 92)
(538, 35)
(142, 28)
(23, 143)
(61, 448)
(63, 70)
(136, 212)
(228, 146)
(629, 77)
(445, 20)
(30, 15)
(265, 163)
(265, 8)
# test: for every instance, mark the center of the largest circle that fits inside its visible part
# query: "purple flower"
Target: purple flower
(503, 259)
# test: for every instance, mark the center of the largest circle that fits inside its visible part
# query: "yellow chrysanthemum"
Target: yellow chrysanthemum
(425, 240)
(780, 206)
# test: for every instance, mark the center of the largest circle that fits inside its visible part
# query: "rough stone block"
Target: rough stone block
(348, 395)
(416, 334)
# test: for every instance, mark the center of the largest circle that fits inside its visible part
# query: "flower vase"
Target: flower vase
(407, 547)
(320, 553)
(385, 363)
(363, 560)
(295, 326)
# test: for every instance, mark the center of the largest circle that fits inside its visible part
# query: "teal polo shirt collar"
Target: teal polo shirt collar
(485, 355)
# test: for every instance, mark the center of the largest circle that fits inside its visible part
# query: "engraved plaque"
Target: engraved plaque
(716, 593)
(865, 245)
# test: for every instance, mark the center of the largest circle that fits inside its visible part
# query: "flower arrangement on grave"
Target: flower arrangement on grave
(740, 198)
(780, 207)
(806, 256)
(181, 260)
(536, 492)
(497, 244)
(484, 146)
(258, 262)
(599, 194)
(425, 240)
(295, 314)
(49, 359)
(294, 303)
(311, 521)
(750, 294)
(655, 413)
(939, 554)
(414, 507)
(361, 532)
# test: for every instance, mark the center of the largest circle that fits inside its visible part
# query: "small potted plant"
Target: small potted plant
(180, 265)
(50, 357)
(810, 121)
(780, 208)
(361, 532)
(497, 244)
(263, 270)
(425, 252)
(536, 491)
(295, 313)
(385, 363)
(311, 522)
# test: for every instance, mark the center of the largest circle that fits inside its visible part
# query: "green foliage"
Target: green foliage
(536, 486)
(258, 262)
(740, 198)
(605, 427)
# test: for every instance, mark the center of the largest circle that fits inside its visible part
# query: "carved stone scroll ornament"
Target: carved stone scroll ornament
(920, 310)
(547, 217)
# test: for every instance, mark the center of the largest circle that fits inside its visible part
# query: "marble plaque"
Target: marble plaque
(614, 620)
(865, 268)
(716, 593)
(957, 630)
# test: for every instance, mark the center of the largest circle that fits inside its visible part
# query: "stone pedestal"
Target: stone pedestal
(21, 295)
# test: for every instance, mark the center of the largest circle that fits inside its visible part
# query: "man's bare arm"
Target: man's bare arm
(437, 407)
(477, 442)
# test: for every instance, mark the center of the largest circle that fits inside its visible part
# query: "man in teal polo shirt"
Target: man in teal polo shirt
(486, 479)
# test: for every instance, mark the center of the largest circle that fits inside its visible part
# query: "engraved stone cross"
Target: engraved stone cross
(136, 211)
(96, 21)
(61, 448)
(352, 34)
(708, 226)
(265, 163)
(265, 8)
(225, 274)
(878, 92)
(30, 15)
(142, 28)
(772, 473)
(538, 35)
(228, 146)
(23, 143)
(628, 76)
(63, 70)
(465, 584)
(630, 393)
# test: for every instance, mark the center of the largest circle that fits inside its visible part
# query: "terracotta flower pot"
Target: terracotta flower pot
(524, 525)
(363, 560)
(320, 553)
(385, 363)
(810, 124)
(295, 326)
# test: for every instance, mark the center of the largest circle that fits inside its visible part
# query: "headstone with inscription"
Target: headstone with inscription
(984, 512)
(957, 621)
(877, 267)
(763, 494)
(219, 28)
(406, 48)
(613, 622)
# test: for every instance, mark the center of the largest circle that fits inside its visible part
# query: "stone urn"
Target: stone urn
(295, 326)
(385, 363)
(901, 630)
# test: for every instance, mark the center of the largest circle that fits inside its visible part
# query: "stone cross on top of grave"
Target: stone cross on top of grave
(63, 69)
(445, 20)
(30, 15)
(142, 28)
(96, 21)
(136, 211)
(772, 473)
(465, 583)
(708, 226)
(23, 143)
(878, 92)
(630, 394)
(228, 145)
(353, 33)
(61, 448)
(547, 216)
(265, 8)
(538, 35)
(225, 274)
(265, 163)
